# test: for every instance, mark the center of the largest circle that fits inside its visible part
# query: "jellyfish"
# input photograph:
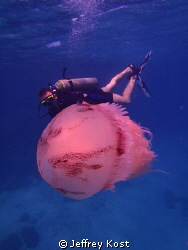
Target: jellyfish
(88, 148)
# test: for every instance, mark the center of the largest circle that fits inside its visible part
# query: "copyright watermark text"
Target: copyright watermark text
(85, 243)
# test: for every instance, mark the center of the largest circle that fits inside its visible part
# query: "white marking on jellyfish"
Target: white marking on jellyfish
(54, 44)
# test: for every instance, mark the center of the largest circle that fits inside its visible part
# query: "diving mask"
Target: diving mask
(48, 101)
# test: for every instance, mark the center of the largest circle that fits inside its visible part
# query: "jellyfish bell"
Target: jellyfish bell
(88, 148)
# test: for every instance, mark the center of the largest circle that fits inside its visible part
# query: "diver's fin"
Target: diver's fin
(143, 64)
(138, 71)
(143, 87)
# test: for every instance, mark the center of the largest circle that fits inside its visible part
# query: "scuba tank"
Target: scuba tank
(77, 85)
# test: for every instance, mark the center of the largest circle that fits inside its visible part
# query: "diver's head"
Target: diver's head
(44, 93)
(47, 97)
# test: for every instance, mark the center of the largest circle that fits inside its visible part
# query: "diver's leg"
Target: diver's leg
(126, 97)
(110, 86)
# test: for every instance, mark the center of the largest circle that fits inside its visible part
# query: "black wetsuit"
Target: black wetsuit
(65, 99)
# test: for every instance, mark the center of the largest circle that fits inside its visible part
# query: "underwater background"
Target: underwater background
(94, 38)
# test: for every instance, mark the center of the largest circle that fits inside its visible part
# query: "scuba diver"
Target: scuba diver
(69, 91)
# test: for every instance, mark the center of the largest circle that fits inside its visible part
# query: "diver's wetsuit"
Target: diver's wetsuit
(65, 99)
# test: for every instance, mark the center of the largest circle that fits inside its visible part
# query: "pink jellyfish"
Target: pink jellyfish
(88, 148)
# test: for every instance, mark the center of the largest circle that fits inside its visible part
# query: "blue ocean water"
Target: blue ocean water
(94, 38)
